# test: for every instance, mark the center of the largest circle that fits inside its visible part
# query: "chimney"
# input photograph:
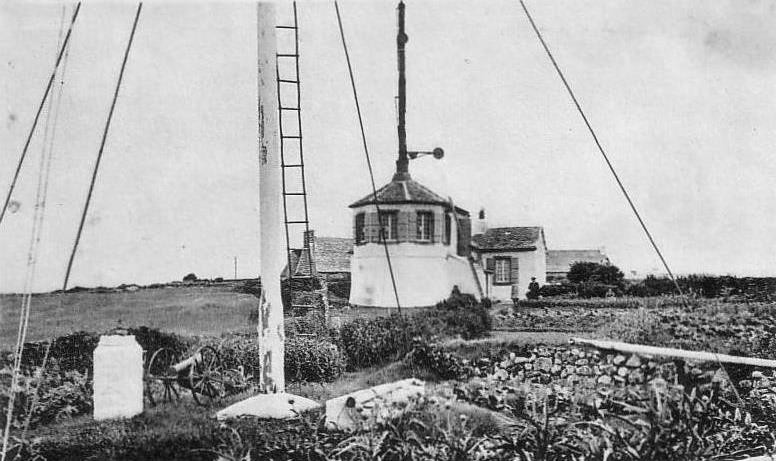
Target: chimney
(481, 225)
(309, 248)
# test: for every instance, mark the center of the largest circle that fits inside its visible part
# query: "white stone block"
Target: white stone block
(118, 378)
(272, 406)
(363, 408)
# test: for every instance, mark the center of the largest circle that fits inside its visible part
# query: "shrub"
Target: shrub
(313, 323)
(638, 326)
(595, 290)
(191, 277)
(312, 360)
(368, 342)
(340, 288)
(441, 363)
(151, 340)
(306, 359)
(564, 289)
(62, 394)
(73, 352)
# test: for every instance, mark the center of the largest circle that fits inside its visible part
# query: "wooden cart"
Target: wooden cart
(203, 374)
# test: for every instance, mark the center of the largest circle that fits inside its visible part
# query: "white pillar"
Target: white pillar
(271, 334)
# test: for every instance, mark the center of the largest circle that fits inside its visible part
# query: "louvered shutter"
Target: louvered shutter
(514, 272)
(434, 231)
(403, 227)
(412, 226)
(372, 227)
(490, 264)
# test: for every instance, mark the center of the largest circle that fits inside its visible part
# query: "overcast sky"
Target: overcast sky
(681, 93)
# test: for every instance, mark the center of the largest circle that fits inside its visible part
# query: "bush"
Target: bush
(62, 394)
(340, 288)
(368, 342)
(313, 323)
(306, 359)
(565, 289)
(595, 290)
(151, 340)
(441, 363)
(191, 277)
(312, 360)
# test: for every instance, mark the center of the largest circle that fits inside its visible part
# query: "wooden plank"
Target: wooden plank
(671, 352)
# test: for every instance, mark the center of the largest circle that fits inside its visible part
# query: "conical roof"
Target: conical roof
(404, 190)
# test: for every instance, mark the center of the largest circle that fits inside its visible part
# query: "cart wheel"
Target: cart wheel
(205, 376)
(156, 382)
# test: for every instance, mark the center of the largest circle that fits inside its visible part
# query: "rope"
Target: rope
(41, 193)
(366, 153)
(102, 149)
(600, 148)
(57, 105)
(37, 115)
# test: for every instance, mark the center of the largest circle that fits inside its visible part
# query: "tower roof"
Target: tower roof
(405, 190)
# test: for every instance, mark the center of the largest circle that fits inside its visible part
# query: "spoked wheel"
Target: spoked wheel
(156, 380)
(206, 378)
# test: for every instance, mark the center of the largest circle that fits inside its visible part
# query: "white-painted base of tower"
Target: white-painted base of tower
(425, 275)
(269, 406)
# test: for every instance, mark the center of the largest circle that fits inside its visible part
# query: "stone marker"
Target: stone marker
(273, 406)
(362, 408)
(118, 377)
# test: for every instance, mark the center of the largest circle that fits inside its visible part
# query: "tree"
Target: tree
(192, 277)
(581, 272)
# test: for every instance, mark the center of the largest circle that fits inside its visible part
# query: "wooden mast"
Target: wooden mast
(402, 164)
(270, 328)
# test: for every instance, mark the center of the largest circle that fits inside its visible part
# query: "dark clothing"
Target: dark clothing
(533, 290)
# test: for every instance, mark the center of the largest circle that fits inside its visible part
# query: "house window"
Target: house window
(425, 229)
(389, 225)
(360, 228)
(448, 228)
(502, 271)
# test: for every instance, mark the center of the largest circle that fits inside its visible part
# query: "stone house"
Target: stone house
(511, 256)
(331, 257)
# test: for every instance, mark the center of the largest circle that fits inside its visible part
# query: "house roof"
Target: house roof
(331, 254)
(561, 260)
(509, 239)
(405, 191)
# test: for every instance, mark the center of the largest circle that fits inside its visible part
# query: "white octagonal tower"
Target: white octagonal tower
(428, 240)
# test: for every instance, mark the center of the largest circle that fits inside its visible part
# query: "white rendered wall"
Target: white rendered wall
(530, 264)
(425, 272)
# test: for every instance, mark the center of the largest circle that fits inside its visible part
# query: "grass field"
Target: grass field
(184, 310)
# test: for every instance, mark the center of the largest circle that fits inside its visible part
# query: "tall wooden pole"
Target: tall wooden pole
(402, 164)
(270, 328)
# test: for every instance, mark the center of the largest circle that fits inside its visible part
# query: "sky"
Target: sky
(681, 94)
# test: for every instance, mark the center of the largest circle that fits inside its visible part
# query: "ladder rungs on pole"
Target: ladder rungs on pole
(293, 193)
(287, 55)
(293, 165)
(285, 80)
(285, 27)
(291, 137)
(289, 108)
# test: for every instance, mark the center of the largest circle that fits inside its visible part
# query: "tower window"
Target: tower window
(503, 271)
(360, 228)
(425, 226)
(389, 225)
